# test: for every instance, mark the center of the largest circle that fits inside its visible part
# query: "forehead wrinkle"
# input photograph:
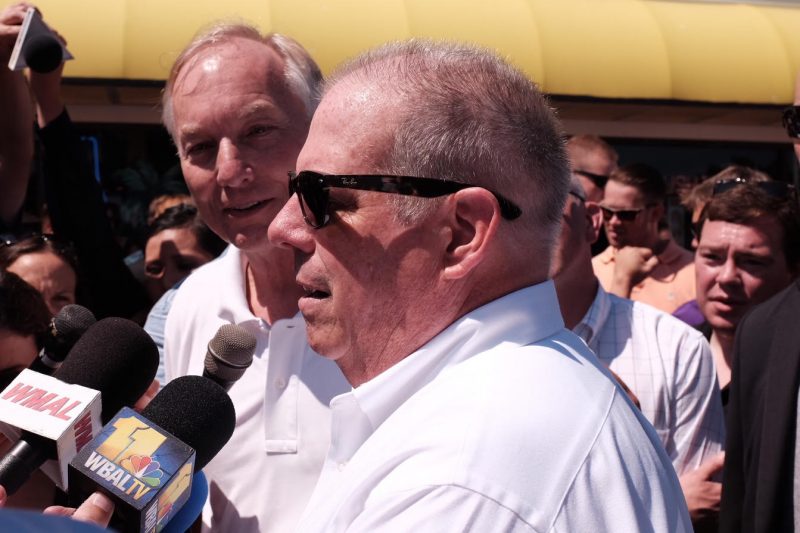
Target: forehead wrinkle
(261, 107)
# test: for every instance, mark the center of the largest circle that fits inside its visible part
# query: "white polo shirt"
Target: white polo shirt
(505, 421)
(668, 365)
(261, 480)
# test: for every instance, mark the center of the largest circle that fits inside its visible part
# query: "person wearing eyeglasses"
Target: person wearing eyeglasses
(695, 201)
(425, 208)
(666, 363)
(48, 264)
(749, 253)
(639, 263)
(592, 160)
(749, 249)
(238, 105)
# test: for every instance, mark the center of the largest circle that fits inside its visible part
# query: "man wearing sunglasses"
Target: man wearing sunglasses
(592, 160)
(238, 105)
(639, 264)
(666, 363)
(749, 252)
(424, 211)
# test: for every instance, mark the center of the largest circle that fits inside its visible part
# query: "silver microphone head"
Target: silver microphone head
(230, 353)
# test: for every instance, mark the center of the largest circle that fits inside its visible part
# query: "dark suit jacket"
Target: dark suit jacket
(757, 493)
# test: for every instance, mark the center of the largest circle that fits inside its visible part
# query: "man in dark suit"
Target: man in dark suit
(761, 467)
(758, 486)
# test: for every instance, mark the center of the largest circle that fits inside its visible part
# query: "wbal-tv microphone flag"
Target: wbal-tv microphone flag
(143, 468)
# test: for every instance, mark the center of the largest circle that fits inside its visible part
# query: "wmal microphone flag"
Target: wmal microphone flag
(66, 416)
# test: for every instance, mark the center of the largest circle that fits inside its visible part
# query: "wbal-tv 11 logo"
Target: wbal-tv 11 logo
(141, 465)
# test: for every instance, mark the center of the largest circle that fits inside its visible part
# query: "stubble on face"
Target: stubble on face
(377, 277)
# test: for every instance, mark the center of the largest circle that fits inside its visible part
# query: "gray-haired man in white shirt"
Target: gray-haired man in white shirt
(426, 205)
(667, 364)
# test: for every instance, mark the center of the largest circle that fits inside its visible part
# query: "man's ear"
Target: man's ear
(473, 220)
(656, 213)
(594, 221)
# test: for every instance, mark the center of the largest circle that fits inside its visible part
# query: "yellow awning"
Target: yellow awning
(644, 49)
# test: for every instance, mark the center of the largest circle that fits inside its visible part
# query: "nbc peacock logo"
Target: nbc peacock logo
(144, 468)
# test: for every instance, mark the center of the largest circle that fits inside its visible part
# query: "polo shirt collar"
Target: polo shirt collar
(234, 307)
(520, 318)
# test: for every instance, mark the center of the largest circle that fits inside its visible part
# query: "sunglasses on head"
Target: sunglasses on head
(312, 191)
(624, 215)
(791, 121)
(776, 189)
(36, 240)
(598, 179)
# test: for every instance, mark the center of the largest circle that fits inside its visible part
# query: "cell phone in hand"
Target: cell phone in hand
(37, 47)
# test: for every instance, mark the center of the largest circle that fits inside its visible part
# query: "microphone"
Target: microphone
(42, 53)
(65, 329)
(145, 462)
(229, 354)
(60, 414)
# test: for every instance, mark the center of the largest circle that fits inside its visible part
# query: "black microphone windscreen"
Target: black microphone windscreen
(72, 321)
(42, 53)
(65, 329)
(116, 357)
(196, 411)
(230, 353)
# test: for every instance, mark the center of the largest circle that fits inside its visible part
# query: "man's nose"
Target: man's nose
(232, 169)
(729, 273)
(290, 230)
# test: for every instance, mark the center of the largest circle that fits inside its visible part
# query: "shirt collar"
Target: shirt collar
(234, 307)
(517, 319)
(595, 318)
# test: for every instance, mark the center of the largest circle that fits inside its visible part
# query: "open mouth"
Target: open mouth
(245, 209)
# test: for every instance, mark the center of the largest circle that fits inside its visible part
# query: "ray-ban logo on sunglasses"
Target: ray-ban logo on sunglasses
(348, 181)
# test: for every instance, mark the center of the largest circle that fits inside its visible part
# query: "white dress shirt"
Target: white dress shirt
(505, 421)
(262, 479)
(668, 366)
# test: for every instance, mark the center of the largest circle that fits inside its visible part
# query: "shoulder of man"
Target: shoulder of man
(668, 329)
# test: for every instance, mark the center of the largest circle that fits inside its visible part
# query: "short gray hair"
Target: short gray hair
(470, 117)
(303, 75)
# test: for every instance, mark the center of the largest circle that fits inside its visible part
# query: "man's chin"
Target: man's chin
(724, 325)
(250, 241)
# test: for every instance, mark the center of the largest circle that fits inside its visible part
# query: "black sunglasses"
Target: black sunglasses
(33, 242)
(312, 191)
(598, 179)
(776, 189)
(791, 121)
(625, 215)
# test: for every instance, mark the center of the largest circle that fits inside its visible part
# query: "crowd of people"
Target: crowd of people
(465, 319)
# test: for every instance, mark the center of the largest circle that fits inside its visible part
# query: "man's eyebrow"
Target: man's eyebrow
(246, 112)
(259, 108)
